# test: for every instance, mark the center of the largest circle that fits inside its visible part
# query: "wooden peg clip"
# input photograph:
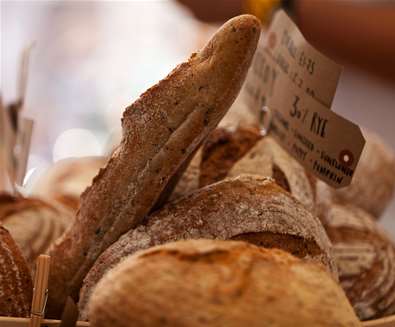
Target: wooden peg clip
(40, 291)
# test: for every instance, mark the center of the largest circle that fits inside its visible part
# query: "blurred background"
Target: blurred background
(93, 58)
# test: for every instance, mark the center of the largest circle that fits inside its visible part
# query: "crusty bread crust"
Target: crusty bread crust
(251, 208)
(267, 158)
(34, 224)
(373, 183)
(216, 283)
(16, 286)
(365, 257)
(222, 149)
(160, 132)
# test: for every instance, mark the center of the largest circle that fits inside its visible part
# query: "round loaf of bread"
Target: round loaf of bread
(373, 184)
(65, 181)
(16, 286)
(267, 158)
(33, 224)
(218, 283)
(365, 258)
(222, 149)
(249, 208)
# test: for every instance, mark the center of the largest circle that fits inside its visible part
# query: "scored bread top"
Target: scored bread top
(222, 149)
(268, 158)
(217, 283)
(250, 208)
(161, 130)
(33, 224)
(16, 286)
(365, 258)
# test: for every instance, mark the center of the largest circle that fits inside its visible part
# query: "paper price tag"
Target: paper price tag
(298, 84)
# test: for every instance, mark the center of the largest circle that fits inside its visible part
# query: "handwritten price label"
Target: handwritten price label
(297, 83)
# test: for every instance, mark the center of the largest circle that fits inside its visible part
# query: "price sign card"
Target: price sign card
(297, 84)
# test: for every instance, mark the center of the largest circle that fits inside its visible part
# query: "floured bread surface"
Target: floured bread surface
(250, 208)
(33, 224)
(218, 283)
(161, 130)
(267, 158)
(222, 149)
(365, 258)
(16, 286)
(373, 183)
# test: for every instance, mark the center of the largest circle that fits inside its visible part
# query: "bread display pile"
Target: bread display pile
(190, 224)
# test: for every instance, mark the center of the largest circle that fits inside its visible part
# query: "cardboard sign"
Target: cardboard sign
(298, 84)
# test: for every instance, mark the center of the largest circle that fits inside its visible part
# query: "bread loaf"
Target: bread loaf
(65, 181)
(161, 130)
(267, 158)
(16, 286)
(373, 184)
(222, 149)
(33, 224)
(218, 283)
(365, 258)
(249, 208)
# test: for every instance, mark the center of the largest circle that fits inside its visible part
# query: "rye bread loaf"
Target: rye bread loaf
(365, 258)
(373, 183)
(222, 149)
(161, 131)
(249, 208)
(33, 224)
(66, 179)
(16, 286)
(218, 283)
(267, 158)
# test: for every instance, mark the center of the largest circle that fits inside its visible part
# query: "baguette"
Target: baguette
(249, 208)
(161, 131)
(215, 284)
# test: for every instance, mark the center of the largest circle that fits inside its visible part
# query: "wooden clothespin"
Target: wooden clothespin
(40, 290)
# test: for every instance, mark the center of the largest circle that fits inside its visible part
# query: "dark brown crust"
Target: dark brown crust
(227, 209)
(160, 131)
(222, 149)
(15, 280)
(296, 245)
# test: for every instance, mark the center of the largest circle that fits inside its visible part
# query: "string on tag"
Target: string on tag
(265, 120)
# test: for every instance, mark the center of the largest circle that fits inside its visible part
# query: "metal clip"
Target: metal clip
(265, 120)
